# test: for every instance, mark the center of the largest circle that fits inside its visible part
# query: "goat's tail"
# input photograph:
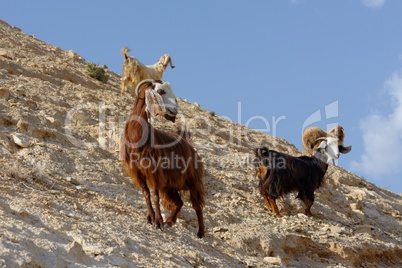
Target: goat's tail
(124, 52)
(196, 184)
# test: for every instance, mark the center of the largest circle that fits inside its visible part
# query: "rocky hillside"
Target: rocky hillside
(66, 202)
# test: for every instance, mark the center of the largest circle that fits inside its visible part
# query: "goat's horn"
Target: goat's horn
(124, 52)
(171, 64)
(137, 89)
(321, 138)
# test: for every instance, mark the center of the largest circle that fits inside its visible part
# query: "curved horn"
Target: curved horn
(321, 138)
(345, 150)
(137, 89)
(124, 52)
(170, 62)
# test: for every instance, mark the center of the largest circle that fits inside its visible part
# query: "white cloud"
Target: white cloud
(382, 136)
(373, 3)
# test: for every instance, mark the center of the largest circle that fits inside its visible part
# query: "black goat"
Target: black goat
(280, 173)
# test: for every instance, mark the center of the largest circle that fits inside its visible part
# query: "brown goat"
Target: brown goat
(134, 71)
(163, 162)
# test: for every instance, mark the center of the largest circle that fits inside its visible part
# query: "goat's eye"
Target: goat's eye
(161, 91)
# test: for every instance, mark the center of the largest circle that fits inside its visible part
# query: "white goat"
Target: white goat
(134, 71)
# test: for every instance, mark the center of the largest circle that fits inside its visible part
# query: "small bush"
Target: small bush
(97, 72)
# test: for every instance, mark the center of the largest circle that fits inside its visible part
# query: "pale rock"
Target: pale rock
(50, 119)
(302, 216)
(364, 229)
(77, 252)
(73, 181)
(21, 140)
(336, 230)
(5, 54)
(356, 206)
(273, 260)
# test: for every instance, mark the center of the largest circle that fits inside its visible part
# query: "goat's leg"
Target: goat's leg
(308, 200)
(274, 207)
(196, 201)
(147, 196)
(158, 215)
(267, 202)
(173, 197)
(201, 227)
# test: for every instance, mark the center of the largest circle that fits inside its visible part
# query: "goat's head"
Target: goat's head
(260, 161)
(165, 60)
(327, 149)
(261, 152)
(159, 98)
(339, 132)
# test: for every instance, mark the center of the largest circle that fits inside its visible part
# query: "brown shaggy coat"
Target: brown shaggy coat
(163, 162)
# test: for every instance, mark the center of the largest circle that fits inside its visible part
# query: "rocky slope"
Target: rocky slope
(65, 201)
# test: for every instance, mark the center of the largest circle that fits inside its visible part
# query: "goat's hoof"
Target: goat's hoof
(308, 214)
(200, 234)
(150, 219)
(158, 224)
(165, 226)
(278, 216)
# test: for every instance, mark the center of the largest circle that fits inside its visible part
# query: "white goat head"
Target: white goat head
(159, 99)
(328, 149)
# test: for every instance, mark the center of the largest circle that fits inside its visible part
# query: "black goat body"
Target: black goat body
(280, 174)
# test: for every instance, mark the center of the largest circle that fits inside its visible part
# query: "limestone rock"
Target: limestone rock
(5, 54)
(273, 260)
(8, 146)
(21, 140)
(4, 94)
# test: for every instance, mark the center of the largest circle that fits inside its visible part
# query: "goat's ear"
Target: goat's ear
(344, 150)
(319, 141)
(261, 151)
(322, 145)
(264, 151)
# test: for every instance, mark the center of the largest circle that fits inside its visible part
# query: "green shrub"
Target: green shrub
(97, 72)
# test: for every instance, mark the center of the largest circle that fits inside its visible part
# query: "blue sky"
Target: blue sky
(294, 62)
